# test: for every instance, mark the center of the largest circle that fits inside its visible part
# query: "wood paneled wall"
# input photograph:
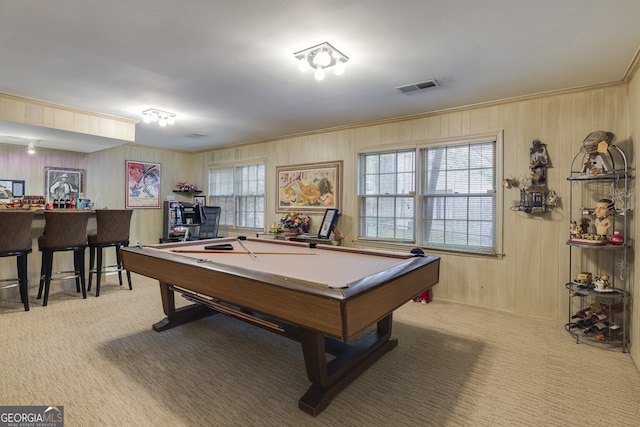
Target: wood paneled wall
(528, 280)
(634, 137)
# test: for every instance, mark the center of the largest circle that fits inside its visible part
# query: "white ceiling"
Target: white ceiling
(226, 68)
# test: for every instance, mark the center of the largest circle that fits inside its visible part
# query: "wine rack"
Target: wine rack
(598, 285)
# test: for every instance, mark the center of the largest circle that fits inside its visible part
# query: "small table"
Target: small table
(334, 241)
(319, 296)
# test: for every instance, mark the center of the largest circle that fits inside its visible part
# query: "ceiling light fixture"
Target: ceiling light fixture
(31, 149)
(319, 58)
(162, 117)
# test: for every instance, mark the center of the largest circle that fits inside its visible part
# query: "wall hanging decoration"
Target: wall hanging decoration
(535, 197)
(309, 187)
(143, 184)
(63, 183)
(10, 189)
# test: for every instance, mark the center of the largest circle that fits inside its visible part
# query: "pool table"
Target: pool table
(333, 300)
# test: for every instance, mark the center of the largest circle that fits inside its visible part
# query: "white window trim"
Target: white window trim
(235, 165)
(467, 139)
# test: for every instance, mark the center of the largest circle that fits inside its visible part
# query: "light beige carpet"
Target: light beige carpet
(454, 366)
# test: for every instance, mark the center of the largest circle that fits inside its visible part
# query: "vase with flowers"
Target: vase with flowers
(295, 222)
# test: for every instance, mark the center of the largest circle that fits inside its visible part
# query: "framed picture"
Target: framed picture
(63, 183)
(143, 184)
(18, 188)
(201, 200)
(10, 188)
(328, 221)
(309, 187)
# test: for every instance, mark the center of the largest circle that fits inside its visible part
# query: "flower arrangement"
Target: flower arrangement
(295, 220)
(185, 186)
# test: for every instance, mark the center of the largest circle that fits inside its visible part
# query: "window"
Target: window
(458, 198)
(387, 195)
(239, 191)
(455, 206)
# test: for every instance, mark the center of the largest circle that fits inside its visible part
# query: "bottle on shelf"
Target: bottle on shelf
(581, 314)
(581, 324)
(594, 307)
(615, 308)
(612, 332)
(596, 328)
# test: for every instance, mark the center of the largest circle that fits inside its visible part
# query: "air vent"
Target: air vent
(413, 87)
(195, 135)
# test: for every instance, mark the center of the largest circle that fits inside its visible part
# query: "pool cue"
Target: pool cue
(214, 251)
(255, 258)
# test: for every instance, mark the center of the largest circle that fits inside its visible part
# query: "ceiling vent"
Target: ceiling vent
(414, 87)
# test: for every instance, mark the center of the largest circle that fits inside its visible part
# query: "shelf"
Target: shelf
(610, 181)
(595, 245)
(583, 290)
(605, 176)
(187, 193)
(607, 341)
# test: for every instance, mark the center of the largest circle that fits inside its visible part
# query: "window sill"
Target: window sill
(406, 247)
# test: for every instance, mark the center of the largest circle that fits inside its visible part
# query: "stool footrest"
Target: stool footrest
(108, 269)
(74, 274)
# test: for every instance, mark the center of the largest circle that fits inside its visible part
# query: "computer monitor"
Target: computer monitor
(189, 214)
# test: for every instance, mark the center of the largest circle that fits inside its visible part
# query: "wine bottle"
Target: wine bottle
(581, 324)
(596, 328)
(581, 314)
(615, 308)
(599, 316)
(612, 332)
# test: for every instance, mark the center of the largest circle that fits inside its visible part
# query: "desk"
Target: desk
(320, 296)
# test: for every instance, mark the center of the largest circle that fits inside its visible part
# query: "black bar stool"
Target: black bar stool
(63, 231)
(113, 231)
(15, 240)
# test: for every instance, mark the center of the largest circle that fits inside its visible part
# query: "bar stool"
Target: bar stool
(63, 231)
(15, 240)
(113, 231)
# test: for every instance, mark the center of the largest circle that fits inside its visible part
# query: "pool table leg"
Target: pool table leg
(328, 379)
(177, 316)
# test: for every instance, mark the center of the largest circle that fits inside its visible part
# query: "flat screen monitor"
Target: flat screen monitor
(189, 214)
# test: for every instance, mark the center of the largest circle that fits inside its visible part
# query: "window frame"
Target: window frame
(498, 137)
(235, 169)
(361, 194)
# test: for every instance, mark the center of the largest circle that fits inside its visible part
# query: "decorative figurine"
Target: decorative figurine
(594, 165)
(584, 225)
(573, 229)
(604, 208)
(616, 238)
